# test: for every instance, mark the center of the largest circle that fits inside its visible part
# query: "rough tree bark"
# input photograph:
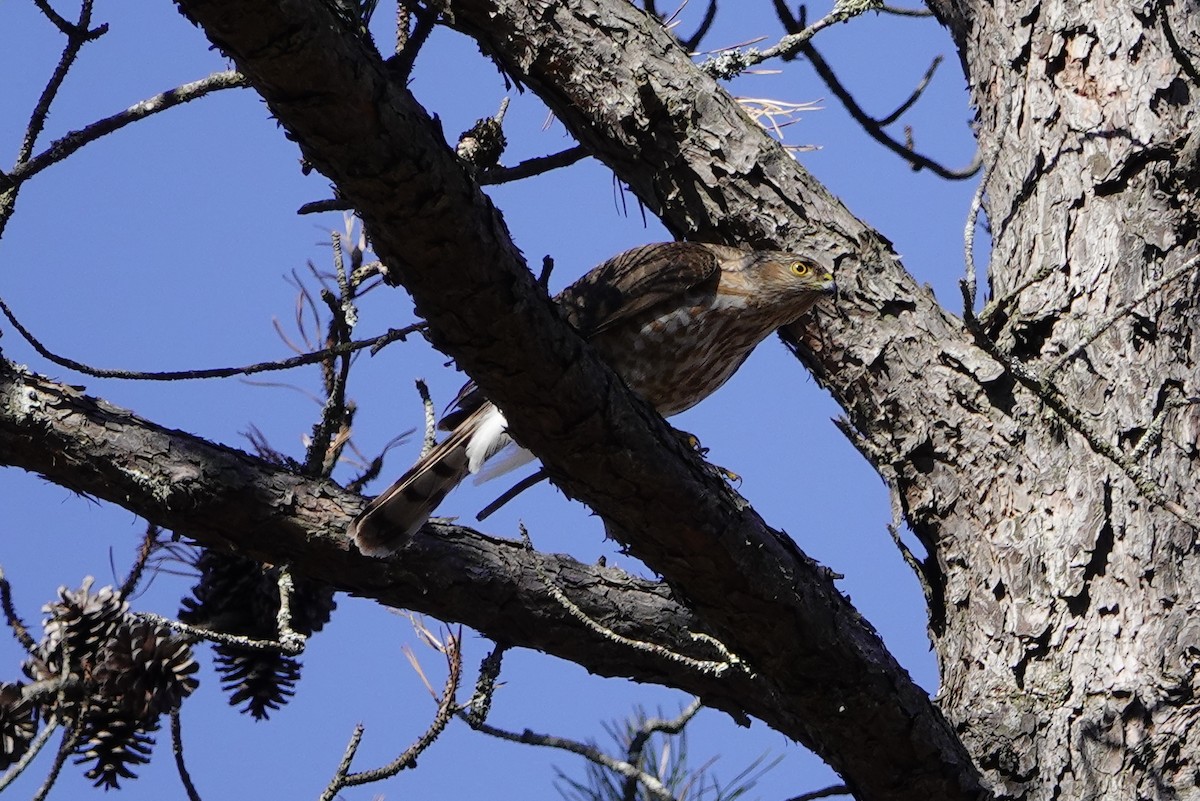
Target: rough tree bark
(1045, 456)
(1069, 649)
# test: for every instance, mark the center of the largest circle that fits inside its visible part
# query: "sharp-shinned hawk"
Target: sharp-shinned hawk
(674, 320)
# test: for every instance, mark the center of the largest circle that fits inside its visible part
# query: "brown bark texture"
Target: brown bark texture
(1044, 453)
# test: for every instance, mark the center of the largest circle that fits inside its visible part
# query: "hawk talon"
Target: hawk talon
(691, 441)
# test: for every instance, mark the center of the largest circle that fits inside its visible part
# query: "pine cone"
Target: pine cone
(112, 743)
(80, 623)
(18, 724)
(239, 596)
(263, 681)
(131, 672)
(145, 670)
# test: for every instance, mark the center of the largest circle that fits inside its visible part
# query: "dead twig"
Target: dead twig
(215, 372)
(177, 749)
(734, 62)
(447, 706)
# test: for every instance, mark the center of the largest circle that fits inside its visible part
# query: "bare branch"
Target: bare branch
(403, 18)
(149, 541)
(321, 206)
(214, 372)
(1121, 311)
(59, 21)
(77, 36)
(485, 686)
(1052, 397)
(401, 64)
(70, 735)
(922, 85)
(290, 643)
(651, 726)
(291, 640)
(177, 750)
(905, 12)
(827, 792)
(703, 666)
(490, 176)
(339, 775)
(72, 142)
(430, 438)
(510, 493)
(734, 62)
(589, 752)
(445, 712)
(692, 43)
(533, 166)
(874, 128)
(976, 204)
(331, 432)
(12, 618)
(1153, 433)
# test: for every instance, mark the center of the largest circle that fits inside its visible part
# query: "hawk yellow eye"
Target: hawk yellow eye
(800, 269)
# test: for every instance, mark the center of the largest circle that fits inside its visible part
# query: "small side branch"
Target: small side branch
(692, 43)
(485, 686)
(303, 359)
(430, 438)
(1122, 311)
(145, 551)
(533, 166)
(65, 748)
(922, 85)
(12, 618)
(409, 44)
(826, 792)
(703, 666)
(489, 176)
(447, 706)
(969, 280)
(874, 128)
(652, 726)
(72, 142)
(732, 63)
(906, 12)
(290, 642)
(510, 493)
(177, 750)
(589, 752)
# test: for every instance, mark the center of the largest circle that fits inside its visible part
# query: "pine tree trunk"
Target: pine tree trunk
(1069, 646)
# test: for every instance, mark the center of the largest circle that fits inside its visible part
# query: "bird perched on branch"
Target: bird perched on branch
(674, 320)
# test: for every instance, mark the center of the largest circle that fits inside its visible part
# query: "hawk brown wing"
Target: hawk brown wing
(625, 286)
(638, 281)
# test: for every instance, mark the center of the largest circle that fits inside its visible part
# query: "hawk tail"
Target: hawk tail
(400, 510)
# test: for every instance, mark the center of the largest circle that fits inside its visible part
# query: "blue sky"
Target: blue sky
(166, 246)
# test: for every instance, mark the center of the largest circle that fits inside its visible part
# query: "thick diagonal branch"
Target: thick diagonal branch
(224, 498)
